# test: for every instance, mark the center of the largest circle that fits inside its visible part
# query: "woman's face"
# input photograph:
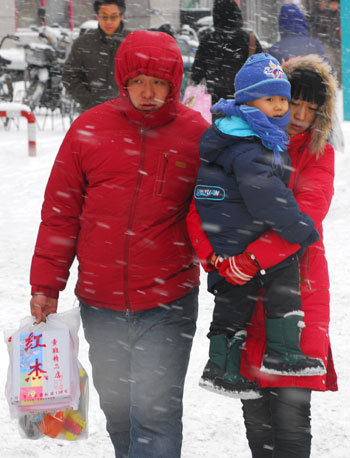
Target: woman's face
(302, 115)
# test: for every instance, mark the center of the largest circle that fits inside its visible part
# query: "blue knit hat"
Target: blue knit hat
(260, 76)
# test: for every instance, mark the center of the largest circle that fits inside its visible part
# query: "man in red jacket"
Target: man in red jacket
(117, 198)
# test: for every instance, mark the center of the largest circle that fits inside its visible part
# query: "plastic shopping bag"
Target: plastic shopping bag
(47, 388)
(196, 98)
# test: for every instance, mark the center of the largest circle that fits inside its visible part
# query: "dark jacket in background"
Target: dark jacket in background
(294, 32)
(319, 24)
(88, 72)
(334, 34)
(222, 52)
(333, 45)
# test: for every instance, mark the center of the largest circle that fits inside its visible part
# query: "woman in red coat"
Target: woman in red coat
(278, 423)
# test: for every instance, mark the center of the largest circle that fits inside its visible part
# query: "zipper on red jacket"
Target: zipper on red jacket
(162, 176)
(131, 220)
(306, 279)
(307, 268)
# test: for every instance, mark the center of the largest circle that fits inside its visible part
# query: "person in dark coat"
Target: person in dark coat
(88, 73)
(295, 40)
(242, 191)
(222, 52)
(319, 22)
(334, 38)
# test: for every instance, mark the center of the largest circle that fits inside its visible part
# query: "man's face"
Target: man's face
(302, 115)
(109, 18)
(322, 5)
(333, 6)
(148, 93)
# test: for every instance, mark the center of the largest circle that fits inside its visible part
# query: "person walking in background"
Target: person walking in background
(222, 52)
(117, 198)
(295, 40)
(241, 191)
(334, 38)
(278, 423)
(319, 22)
(88, 74)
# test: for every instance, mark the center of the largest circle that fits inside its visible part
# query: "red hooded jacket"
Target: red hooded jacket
(312, 185)
(119, 192)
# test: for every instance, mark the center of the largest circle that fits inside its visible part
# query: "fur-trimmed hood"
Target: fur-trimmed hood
(322, 125)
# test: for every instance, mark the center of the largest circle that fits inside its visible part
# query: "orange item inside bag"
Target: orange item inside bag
(52, 425)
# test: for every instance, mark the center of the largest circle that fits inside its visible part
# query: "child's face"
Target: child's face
(274, 106)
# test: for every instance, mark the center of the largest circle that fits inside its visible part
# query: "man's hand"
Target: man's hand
(238, 269)
(41, 306)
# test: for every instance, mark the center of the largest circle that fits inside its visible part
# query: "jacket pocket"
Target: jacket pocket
(175, 177)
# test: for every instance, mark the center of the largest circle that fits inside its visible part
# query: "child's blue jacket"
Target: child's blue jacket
(240, 193)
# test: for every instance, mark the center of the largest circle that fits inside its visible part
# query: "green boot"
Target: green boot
(283, 355)
(216, 364)
(232, 383)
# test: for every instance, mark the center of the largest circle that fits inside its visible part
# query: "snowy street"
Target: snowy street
(213, 425)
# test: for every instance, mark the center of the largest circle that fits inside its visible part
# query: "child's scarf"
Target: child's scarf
(270, 130)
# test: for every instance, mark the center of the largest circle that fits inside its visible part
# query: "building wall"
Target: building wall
(142, 14)
(261, 16)
(83, 11)
(139, 14)
(7, 17)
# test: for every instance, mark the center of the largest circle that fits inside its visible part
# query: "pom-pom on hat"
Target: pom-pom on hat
(260, 76)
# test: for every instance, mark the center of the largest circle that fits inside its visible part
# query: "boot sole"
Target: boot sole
(210, 386)
(306, 372)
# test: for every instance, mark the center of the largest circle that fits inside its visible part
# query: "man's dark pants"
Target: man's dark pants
(139, 362)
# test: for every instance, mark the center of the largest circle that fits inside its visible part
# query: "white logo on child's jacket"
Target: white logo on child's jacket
(209, 192)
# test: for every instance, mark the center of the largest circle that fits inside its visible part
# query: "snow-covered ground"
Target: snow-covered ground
(213, 425)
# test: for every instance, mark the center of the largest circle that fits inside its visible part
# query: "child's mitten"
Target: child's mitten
(237, 269)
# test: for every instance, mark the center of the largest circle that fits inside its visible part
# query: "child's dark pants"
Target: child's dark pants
(234, 305)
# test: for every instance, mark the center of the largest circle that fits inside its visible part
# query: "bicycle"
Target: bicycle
(6, 77)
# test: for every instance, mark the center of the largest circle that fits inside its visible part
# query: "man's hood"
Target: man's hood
(227, 16)
(292, 21)
(150, 53)
(153, 54)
